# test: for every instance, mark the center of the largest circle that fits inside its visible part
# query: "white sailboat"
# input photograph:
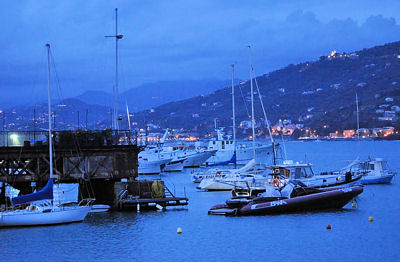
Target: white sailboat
(41, 209)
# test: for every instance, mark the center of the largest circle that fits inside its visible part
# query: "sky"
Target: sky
(176, 39)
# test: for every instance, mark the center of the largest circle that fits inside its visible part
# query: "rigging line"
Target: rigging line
(58, 89)
(265, 115)
(263, 108)
(244, 100)
(56, 76)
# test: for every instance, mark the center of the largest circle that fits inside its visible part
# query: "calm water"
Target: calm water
(151, 236)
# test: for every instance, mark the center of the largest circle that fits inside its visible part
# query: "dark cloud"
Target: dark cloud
(177, 39)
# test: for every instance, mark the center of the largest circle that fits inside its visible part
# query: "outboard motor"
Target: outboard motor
(348, 176)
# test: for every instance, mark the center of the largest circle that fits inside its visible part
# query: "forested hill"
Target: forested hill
(319, 94)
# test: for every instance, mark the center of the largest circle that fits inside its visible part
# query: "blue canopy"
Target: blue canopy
(45, 193)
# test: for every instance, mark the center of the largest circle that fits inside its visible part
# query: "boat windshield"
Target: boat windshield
(385, 165)
(301, 172)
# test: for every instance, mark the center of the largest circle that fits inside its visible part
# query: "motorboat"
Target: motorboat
(376, 172)
(304, 173)
(293, 197)
(281, 174)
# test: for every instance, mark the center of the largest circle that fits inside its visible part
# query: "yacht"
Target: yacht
(376, 172)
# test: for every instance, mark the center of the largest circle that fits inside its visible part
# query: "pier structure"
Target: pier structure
(104, 168)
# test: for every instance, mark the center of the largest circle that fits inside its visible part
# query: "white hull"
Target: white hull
(243, 155)
(152, 167)
(36, 217)
(197, 159)
(99, 208)
(174, 166)
(229, 183)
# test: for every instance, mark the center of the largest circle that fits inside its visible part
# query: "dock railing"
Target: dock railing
(18, 138)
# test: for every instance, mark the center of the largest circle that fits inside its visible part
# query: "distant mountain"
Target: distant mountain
(93, 97)
(150, 95)
(67, 114)
(319, 94)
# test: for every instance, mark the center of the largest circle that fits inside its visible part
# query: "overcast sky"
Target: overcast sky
(172, 40)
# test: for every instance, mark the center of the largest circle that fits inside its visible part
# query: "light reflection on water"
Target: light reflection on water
(146, 236)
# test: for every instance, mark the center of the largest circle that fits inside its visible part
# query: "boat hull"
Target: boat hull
(99, 208)
(332, 199)
(197, 159)
(21, 218)
(377, 180)
(243, 155)
(152, 167)
(329, 199)
(174, 166)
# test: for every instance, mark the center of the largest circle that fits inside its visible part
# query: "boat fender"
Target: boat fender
(275, 182)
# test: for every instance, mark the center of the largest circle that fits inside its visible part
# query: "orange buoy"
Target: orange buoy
(370, 219)
(328, 226)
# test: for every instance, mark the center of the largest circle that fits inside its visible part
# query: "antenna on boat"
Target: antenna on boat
(252, 103)
(115, 87)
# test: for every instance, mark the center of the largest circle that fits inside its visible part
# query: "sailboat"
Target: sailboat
(40, 208)
(229, 151)
(228, 180)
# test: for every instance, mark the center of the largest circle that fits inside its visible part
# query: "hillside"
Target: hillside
(318, 94)
(151, 95)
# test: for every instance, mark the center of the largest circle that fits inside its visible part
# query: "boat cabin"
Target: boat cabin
(292, 170)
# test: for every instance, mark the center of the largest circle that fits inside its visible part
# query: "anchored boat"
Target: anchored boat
(293, 197)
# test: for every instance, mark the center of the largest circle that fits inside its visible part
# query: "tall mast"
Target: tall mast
(252, 103)
(358, 127)
(129, 121)
(233, 107)
(49, 111)
(115, 88)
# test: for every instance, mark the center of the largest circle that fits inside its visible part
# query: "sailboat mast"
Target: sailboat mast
(115, 122)
(233, 107)
(252, 103)
(358, 127)
(49, 111)
(129, 121)
(358, 120)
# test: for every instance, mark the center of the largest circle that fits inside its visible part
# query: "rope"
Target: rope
(244, 100)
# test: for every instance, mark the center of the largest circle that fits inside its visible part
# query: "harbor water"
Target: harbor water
(152, 235)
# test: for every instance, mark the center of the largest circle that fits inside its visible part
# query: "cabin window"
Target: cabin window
(298, 173)
(371, 167)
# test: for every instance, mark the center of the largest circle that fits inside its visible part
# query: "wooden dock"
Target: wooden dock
(152, 203)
